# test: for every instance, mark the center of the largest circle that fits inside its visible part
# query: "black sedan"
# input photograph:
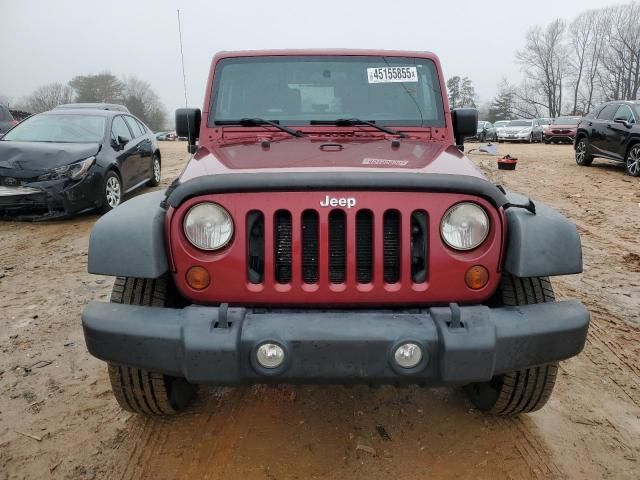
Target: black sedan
(69, 161)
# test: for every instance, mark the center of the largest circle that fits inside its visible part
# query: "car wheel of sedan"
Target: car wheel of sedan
(138, 390)
(633, 161)
(525, 390)
(156, 172)
(583, 156)
(112, 195)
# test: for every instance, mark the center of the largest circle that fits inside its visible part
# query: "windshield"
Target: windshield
(59, 128)
(566, 121)
(296, 90)
(544, 121)
(519, 123)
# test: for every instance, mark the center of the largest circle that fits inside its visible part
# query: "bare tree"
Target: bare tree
(543, 60)
(582, 34)
(619, 75)
(600, 19)
(47, 97)
(143, 102)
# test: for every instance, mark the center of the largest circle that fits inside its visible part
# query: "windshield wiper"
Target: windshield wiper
(252, 122)
(345, 122)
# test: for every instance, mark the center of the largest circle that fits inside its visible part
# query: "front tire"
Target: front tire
(156, 171)
(138, 390)
(526, 390)
(583, 155)
(632, 161)
(111, 192)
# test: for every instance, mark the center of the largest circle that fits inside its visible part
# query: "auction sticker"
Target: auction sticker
(392, 74)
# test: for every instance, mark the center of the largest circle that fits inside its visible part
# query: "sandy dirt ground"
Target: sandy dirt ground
(58, 418)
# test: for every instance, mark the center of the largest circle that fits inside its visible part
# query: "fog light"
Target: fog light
(476, 277)
(198, 278)
(270, 355)
(408, 355)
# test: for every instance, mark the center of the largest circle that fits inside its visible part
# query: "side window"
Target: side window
(607, 112)
(134, 126)
(120, 129)
(625, 113)
(3, 116)
(142, 127)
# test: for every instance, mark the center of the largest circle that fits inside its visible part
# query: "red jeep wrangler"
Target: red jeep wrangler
(328, 229)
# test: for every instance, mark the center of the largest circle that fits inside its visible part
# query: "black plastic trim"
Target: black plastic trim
(336, 346)
(319, 181)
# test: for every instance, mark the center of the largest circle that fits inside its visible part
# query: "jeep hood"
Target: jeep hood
(24, 159)
(308, 154)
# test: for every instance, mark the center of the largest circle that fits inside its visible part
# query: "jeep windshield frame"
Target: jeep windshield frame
(309, 90)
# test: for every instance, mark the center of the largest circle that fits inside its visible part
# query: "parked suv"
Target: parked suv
(328, 230)
(611, 131)
(7, 121)
(561, 130)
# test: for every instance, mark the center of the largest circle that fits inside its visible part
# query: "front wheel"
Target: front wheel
(138, 390)
(526, 390)
(111, 192)
(632, 161)
(155, 172)
(583, 156)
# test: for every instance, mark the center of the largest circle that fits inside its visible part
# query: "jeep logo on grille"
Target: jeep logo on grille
(338, 202)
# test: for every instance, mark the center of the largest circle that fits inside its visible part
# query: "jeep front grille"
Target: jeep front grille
(290, 249)
(309, 255)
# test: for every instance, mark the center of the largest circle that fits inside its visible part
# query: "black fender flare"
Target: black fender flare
(540, 244)
(129, 240)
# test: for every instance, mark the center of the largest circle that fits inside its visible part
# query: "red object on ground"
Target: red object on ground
(507, 163)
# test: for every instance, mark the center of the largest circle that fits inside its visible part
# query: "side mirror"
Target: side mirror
(465, 124)
(622, 121)
(188, 125)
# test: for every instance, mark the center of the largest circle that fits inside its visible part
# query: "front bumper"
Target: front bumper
(563, 137)
(217, 345)
(50, 198)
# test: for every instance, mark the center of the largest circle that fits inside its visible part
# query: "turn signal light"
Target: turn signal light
(198, 278)
(476, 277)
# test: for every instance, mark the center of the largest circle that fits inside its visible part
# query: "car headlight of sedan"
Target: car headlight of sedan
(464, 226)
(74, 171)
(208, 226)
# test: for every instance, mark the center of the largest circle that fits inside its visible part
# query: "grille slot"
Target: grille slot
(337, 246)
(255, 246)
(364, 246)
(391, 246)
(419, 246)
(310, 246)
(282, 246)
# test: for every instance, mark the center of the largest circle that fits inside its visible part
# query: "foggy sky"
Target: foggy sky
(52, 41)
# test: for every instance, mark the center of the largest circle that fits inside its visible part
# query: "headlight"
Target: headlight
(464, 226)
(208, 226)
(73, 171)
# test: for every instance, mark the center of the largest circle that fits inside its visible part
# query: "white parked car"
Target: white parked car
(517, 131)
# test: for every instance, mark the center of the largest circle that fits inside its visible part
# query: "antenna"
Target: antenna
(184, 77)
